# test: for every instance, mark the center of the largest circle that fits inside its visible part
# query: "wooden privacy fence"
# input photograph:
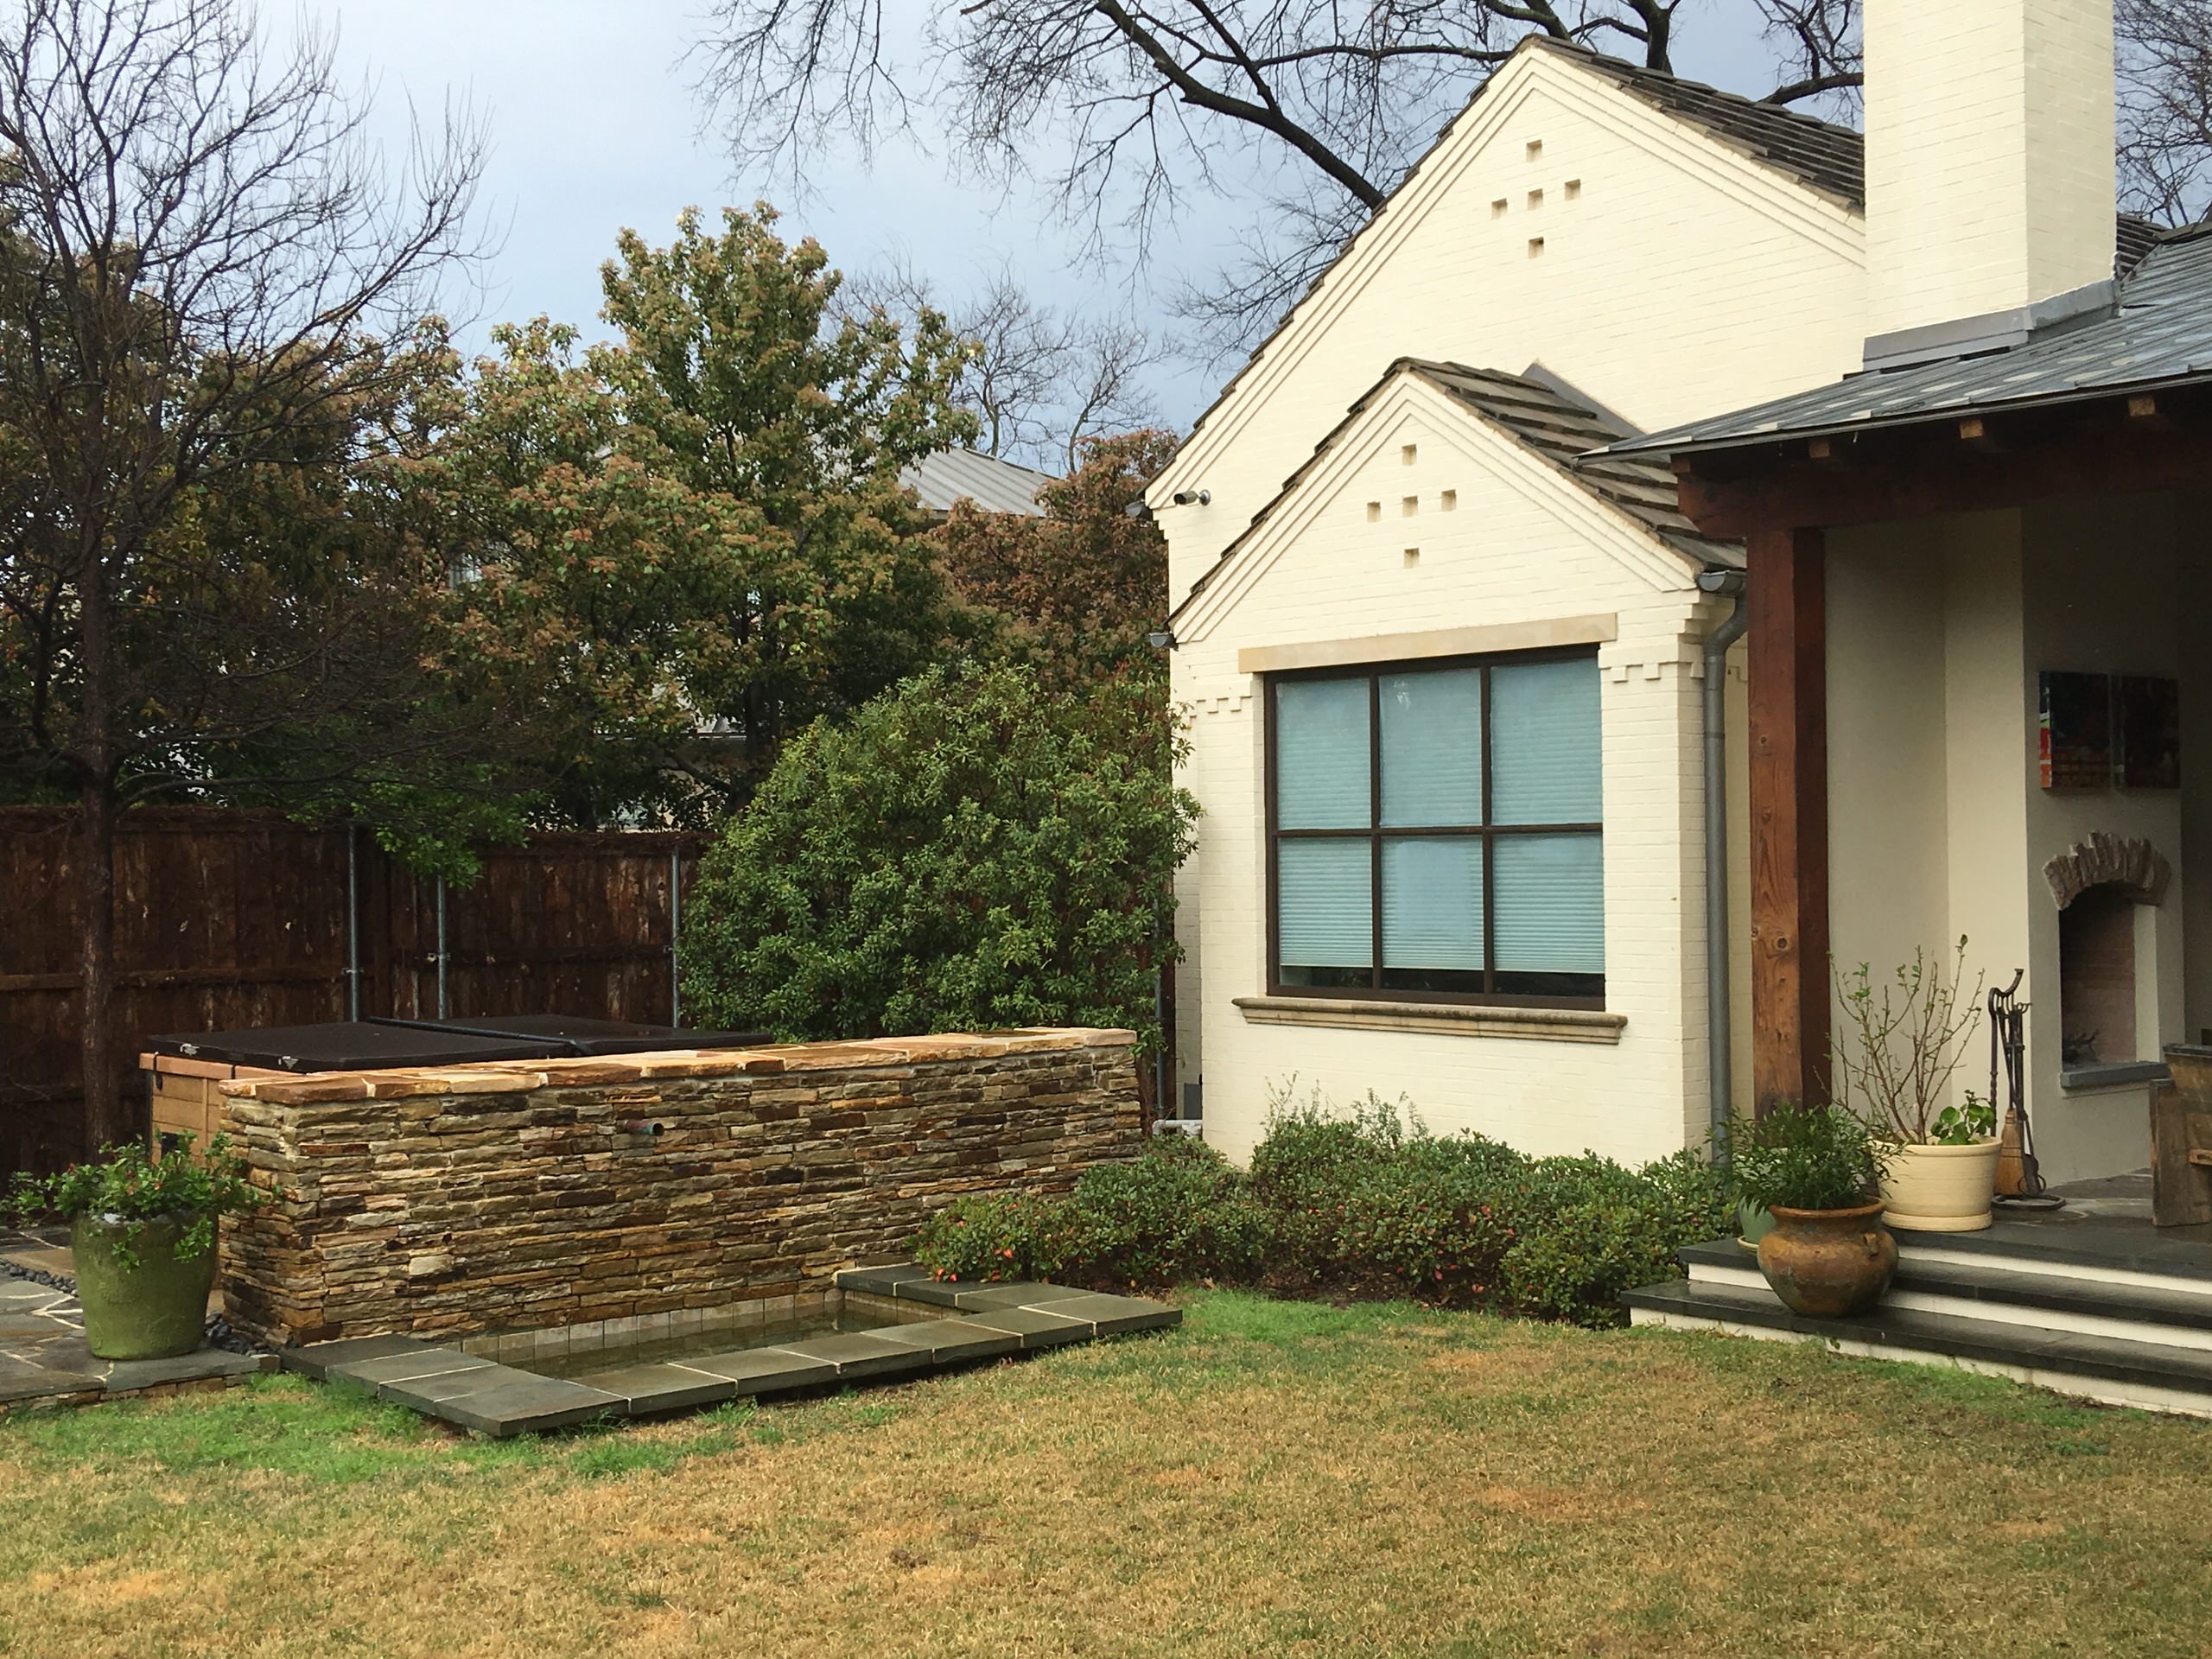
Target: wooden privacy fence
(228, 919)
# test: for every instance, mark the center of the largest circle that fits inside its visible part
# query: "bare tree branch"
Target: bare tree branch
(1143, 104)
(2165, 108)
(1040, 381)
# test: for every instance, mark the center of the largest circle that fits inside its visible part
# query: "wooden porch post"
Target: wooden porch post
(1787, 649)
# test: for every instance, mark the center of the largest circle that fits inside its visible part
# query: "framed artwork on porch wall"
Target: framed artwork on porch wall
(2146, 732)
(2074, 739)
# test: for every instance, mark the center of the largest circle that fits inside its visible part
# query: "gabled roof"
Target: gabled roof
(2157, 334)
(950, 475)
(1822, 156)
(1829, 158)
(1818, 154)
(1542, 418)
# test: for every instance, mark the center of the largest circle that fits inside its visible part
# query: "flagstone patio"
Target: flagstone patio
(44, 1359)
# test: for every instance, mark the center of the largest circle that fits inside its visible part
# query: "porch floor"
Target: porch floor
(2109, 1216)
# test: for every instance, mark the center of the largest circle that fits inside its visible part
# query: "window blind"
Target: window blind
(1543, 740)
(1432, 748)
(1325, 903)
(1433, 902)
(1321, 770)
(1551, 904)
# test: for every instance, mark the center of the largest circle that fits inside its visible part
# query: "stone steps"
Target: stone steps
(2118, 1316)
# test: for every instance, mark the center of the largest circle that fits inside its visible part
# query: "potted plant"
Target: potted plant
(144, 1232)
(1814, 1169)
(1898, 1050)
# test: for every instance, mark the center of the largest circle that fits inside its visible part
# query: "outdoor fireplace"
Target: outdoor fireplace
(2101, 887)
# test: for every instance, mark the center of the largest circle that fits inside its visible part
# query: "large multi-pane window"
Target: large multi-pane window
(1435, 831)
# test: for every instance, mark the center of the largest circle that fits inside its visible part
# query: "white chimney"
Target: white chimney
(1989, 169)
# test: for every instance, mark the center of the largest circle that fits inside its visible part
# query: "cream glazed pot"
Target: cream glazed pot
(1936, 1189)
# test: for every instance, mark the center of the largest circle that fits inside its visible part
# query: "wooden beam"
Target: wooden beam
(1788, 647)
(1973, 432)
(1936, 470)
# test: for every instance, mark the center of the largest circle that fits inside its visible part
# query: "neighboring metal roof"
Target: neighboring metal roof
(2160, 333)
(950, 475)
(1547, 420)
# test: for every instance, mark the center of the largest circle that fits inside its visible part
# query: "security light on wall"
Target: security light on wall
(1160, 639)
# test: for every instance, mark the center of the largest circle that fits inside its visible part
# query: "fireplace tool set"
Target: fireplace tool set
(2019, 1181)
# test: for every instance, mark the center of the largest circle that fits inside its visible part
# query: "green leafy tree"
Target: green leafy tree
(689, 543)
(1075, 592)
(970, 851)
(733, 360)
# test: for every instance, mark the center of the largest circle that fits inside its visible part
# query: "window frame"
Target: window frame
(1377, 833)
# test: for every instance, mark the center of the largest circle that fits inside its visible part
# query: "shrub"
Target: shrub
(970, 853)
(1364, 1201)
(1809, 1157)
(989, 1235)
(127, 1184)
(1305, 1167)
(1589, 1228)
(1429, 1226)
(1178, 1213)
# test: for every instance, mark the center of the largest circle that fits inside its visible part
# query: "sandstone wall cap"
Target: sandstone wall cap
(521, 1076)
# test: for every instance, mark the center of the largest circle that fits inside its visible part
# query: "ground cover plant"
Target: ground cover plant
(1361, 1202)
(1279, 1478)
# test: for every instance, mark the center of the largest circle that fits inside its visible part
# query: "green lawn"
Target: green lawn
(1275, 1478)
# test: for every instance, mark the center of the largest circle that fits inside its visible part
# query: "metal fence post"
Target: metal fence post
(675, 927)
(352, 922)
(441, 947)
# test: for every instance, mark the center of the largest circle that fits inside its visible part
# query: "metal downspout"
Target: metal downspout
(1717, 1037)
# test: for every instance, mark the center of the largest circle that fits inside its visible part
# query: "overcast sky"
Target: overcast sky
(593, 125)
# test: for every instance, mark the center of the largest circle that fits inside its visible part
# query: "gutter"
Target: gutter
(1719, 1050)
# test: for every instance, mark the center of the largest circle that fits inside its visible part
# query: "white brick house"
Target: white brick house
(1489, 895)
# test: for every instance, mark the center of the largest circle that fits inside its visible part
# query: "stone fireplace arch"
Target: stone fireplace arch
(2101, 887)
(2128, 863)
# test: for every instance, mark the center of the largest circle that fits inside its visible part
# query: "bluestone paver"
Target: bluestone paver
(764, 1370)
(1036, 1328)
(948, 1342)
(529, 1404)
(661, 1387)
(401, 1368)
(858, 1356)
(315, 1359)
(1114, 1316)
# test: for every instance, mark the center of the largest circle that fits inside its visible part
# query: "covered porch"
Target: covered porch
(1981, 708)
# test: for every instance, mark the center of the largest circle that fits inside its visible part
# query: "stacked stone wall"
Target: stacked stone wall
(551, 1193)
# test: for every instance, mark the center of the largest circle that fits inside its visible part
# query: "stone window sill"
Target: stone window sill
(1447, 1018)
(2111, 1074)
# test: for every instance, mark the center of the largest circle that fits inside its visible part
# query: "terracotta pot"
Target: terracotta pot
(1826, 1263)
(1941, 1189)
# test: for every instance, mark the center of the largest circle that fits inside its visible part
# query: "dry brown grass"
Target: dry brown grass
(1276, 1479)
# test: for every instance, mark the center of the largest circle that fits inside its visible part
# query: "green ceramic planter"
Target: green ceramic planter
(1752, 1223)
(151, 1310)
